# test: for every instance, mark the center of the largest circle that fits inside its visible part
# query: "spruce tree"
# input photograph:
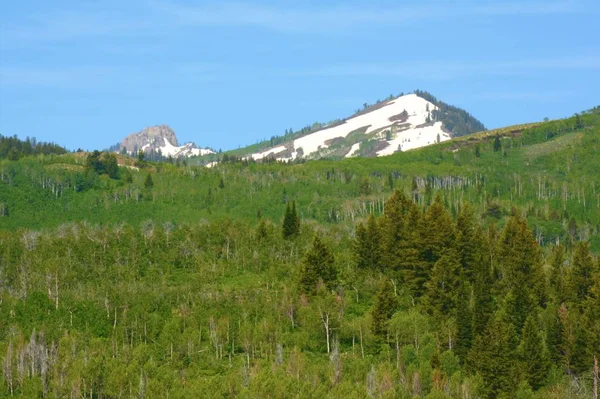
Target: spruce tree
(295, 220)
(580, 275)
(467, 239)
(436, 238)
(521, 270)
(148, 183)
(442, 288)
(497, 144)
(533, 355)
(386, 304)
(464, 322)
(318, 265)
(291, 222)
(367, 245)
(557, 275)
(493, 356)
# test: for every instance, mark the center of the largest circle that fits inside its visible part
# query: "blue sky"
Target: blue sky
(226, 74)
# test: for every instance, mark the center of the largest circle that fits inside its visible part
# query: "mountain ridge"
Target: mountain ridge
(157, 142)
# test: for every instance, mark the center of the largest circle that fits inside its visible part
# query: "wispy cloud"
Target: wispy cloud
(451, 69)
(160, 17)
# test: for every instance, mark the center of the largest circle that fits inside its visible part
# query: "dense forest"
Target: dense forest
(467, 269)
(13, 148)
(411, 303)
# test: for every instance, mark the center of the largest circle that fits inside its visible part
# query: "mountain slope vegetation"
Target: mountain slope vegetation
(463, 269)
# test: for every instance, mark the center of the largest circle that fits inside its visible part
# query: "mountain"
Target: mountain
(397, 124)
(159, 141)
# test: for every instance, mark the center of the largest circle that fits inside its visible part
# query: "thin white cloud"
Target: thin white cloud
(450, 69)
(163, 17)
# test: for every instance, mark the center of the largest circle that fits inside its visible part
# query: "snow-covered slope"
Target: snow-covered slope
(400, 124)
(160, 140)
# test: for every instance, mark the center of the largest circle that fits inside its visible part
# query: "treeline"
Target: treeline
(12, 148)
(455, 119)
(413, 303)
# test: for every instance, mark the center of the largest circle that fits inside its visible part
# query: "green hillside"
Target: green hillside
(466, 269)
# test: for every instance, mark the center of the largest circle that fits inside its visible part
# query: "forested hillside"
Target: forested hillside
(467, 269)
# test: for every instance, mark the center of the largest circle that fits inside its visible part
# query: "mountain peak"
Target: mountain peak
(159, 140)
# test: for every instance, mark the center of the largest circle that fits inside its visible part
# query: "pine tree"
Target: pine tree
(367, 245)
(436, 238)
(221, 184)
(318, 265)
(521, 269)
(580, 280)
(557, 275)
(291, 221)
(464, 322)
(386, 304)
(295, 220)
(148, 183)
(493, 357)
(533, 355)
(497, 144)
(483, 302)
(555, 339)
(442, 288)
(467, 239)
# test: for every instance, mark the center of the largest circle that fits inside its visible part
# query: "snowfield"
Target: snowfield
(408, 134)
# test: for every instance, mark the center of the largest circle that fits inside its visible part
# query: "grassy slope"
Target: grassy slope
(546, 169)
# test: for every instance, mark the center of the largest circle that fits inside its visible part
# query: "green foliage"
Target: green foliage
(386, 304)
(148, 182)
(318, 267)
(291, 221)
(367, 246)
(533, 355)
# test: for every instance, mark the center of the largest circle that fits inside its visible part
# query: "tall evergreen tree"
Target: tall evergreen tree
(367, 245)
(442, 287)
(533, 354)
(148, 183)
(557, 275)
(318, 265)
(291, 221)
(493, 357)
(436, 238)
(467, 239)
(386, 304)
(464, 322)
(580, 275)
(521, 270)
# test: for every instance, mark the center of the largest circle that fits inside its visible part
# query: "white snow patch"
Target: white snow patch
(418, 110)
(353, 150)
(415, 138)
(264, 154)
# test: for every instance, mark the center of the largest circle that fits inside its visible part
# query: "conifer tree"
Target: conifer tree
(580, 275)
(291, 222)
(318, 265)
(287, 228)
(295, 220)
(493, 357)
(442, 288)
(497, 144)
(557, 275)
(148, 183)
(555, 339)
(367, 245)
(464, 322)
(436, 238)
(521, 269)
(533, 354)
(467, 239)
(385, 306)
